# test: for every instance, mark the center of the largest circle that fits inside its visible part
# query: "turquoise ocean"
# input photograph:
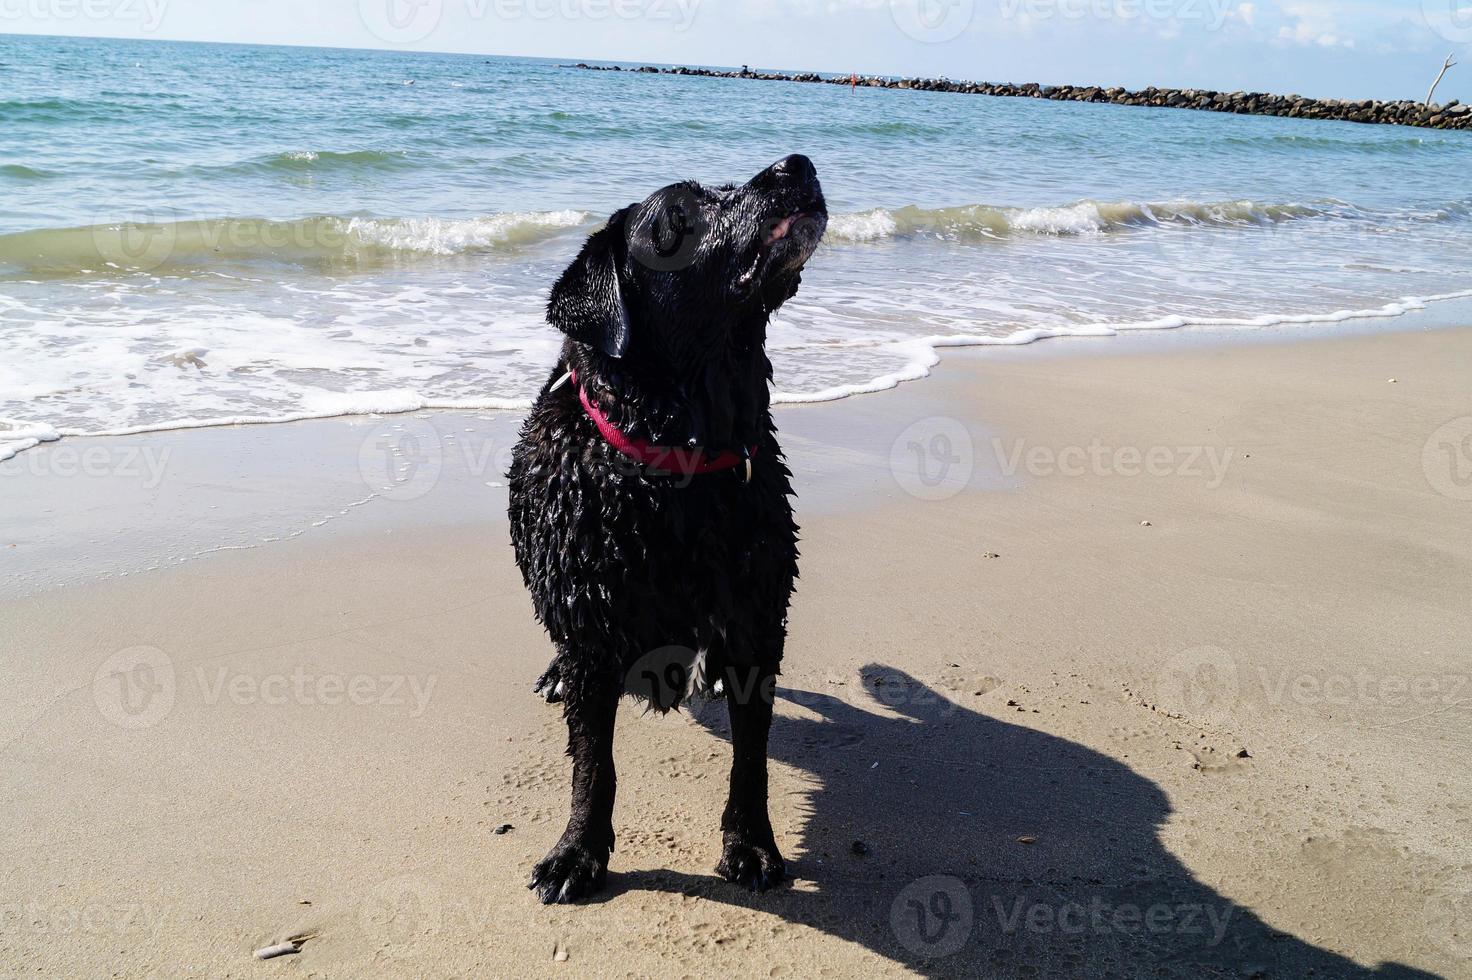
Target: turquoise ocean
(192, 234)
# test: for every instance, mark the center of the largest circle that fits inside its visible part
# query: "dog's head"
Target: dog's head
(692, 271)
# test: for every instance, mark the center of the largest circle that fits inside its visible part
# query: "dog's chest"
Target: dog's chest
(639, 560)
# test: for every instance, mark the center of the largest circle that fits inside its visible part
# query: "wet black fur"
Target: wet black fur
(665, 310)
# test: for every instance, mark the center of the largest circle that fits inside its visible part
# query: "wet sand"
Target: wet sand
(1146, 664)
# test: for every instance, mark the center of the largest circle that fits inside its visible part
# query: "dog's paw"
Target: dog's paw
(754, 867)
(549, 685)
(568, 873)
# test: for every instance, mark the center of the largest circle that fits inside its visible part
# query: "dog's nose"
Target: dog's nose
(795, 167)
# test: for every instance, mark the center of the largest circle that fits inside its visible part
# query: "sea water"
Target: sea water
(192, 234)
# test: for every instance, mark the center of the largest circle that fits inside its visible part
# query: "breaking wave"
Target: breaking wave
(322, 242)
(982, 221)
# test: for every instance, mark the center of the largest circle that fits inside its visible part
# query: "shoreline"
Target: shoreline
(19, 436)
(1018, 653)
(1453, 115)
(190, 473)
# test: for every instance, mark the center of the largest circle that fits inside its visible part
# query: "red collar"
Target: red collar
(669, 459)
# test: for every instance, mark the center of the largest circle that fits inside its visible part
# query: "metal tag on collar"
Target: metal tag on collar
(746, 451)
(560, 382)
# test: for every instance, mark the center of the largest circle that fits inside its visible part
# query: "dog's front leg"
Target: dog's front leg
(549, 685)
(576, 867)
(749, 855)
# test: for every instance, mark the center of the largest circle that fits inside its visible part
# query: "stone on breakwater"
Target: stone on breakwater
(1453, 115)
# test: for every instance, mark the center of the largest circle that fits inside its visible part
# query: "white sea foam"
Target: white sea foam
(365, 403)
(1087, 217)
(865, 226)
(914, 358)
(17, 437)
(924, 353)
(439, 236)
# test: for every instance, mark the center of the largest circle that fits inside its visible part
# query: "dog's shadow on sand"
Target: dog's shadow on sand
(959, 845)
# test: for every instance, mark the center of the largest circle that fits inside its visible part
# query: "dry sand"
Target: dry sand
(1029, 700)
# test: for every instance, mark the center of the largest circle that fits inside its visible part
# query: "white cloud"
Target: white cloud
(1313, 24)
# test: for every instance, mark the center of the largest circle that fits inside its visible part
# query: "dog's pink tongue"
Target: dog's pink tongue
(780, 232)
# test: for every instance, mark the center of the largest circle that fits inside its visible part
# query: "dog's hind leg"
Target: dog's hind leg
(749, 855)
(576, 867)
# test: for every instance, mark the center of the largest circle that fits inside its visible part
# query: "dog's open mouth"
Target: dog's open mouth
(788, 241)
(780, 230)
(802, 227)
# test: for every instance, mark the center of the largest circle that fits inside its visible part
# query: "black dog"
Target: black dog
(649, 498)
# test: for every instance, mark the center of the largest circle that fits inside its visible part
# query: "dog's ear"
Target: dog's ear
(587, 302)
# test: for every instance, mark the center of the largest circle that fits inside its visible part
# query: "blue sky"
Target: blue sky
(1351, 49)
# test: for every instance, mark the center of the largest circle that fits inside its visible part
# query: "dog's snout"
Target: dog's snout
(795, 167)
(793, 170)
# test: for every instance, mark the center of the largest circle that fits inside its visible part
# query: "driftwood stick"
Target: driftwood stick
(1444, 68)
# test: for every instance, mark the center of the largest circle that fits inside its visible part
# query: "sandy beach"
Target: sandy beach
(1119, 659)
